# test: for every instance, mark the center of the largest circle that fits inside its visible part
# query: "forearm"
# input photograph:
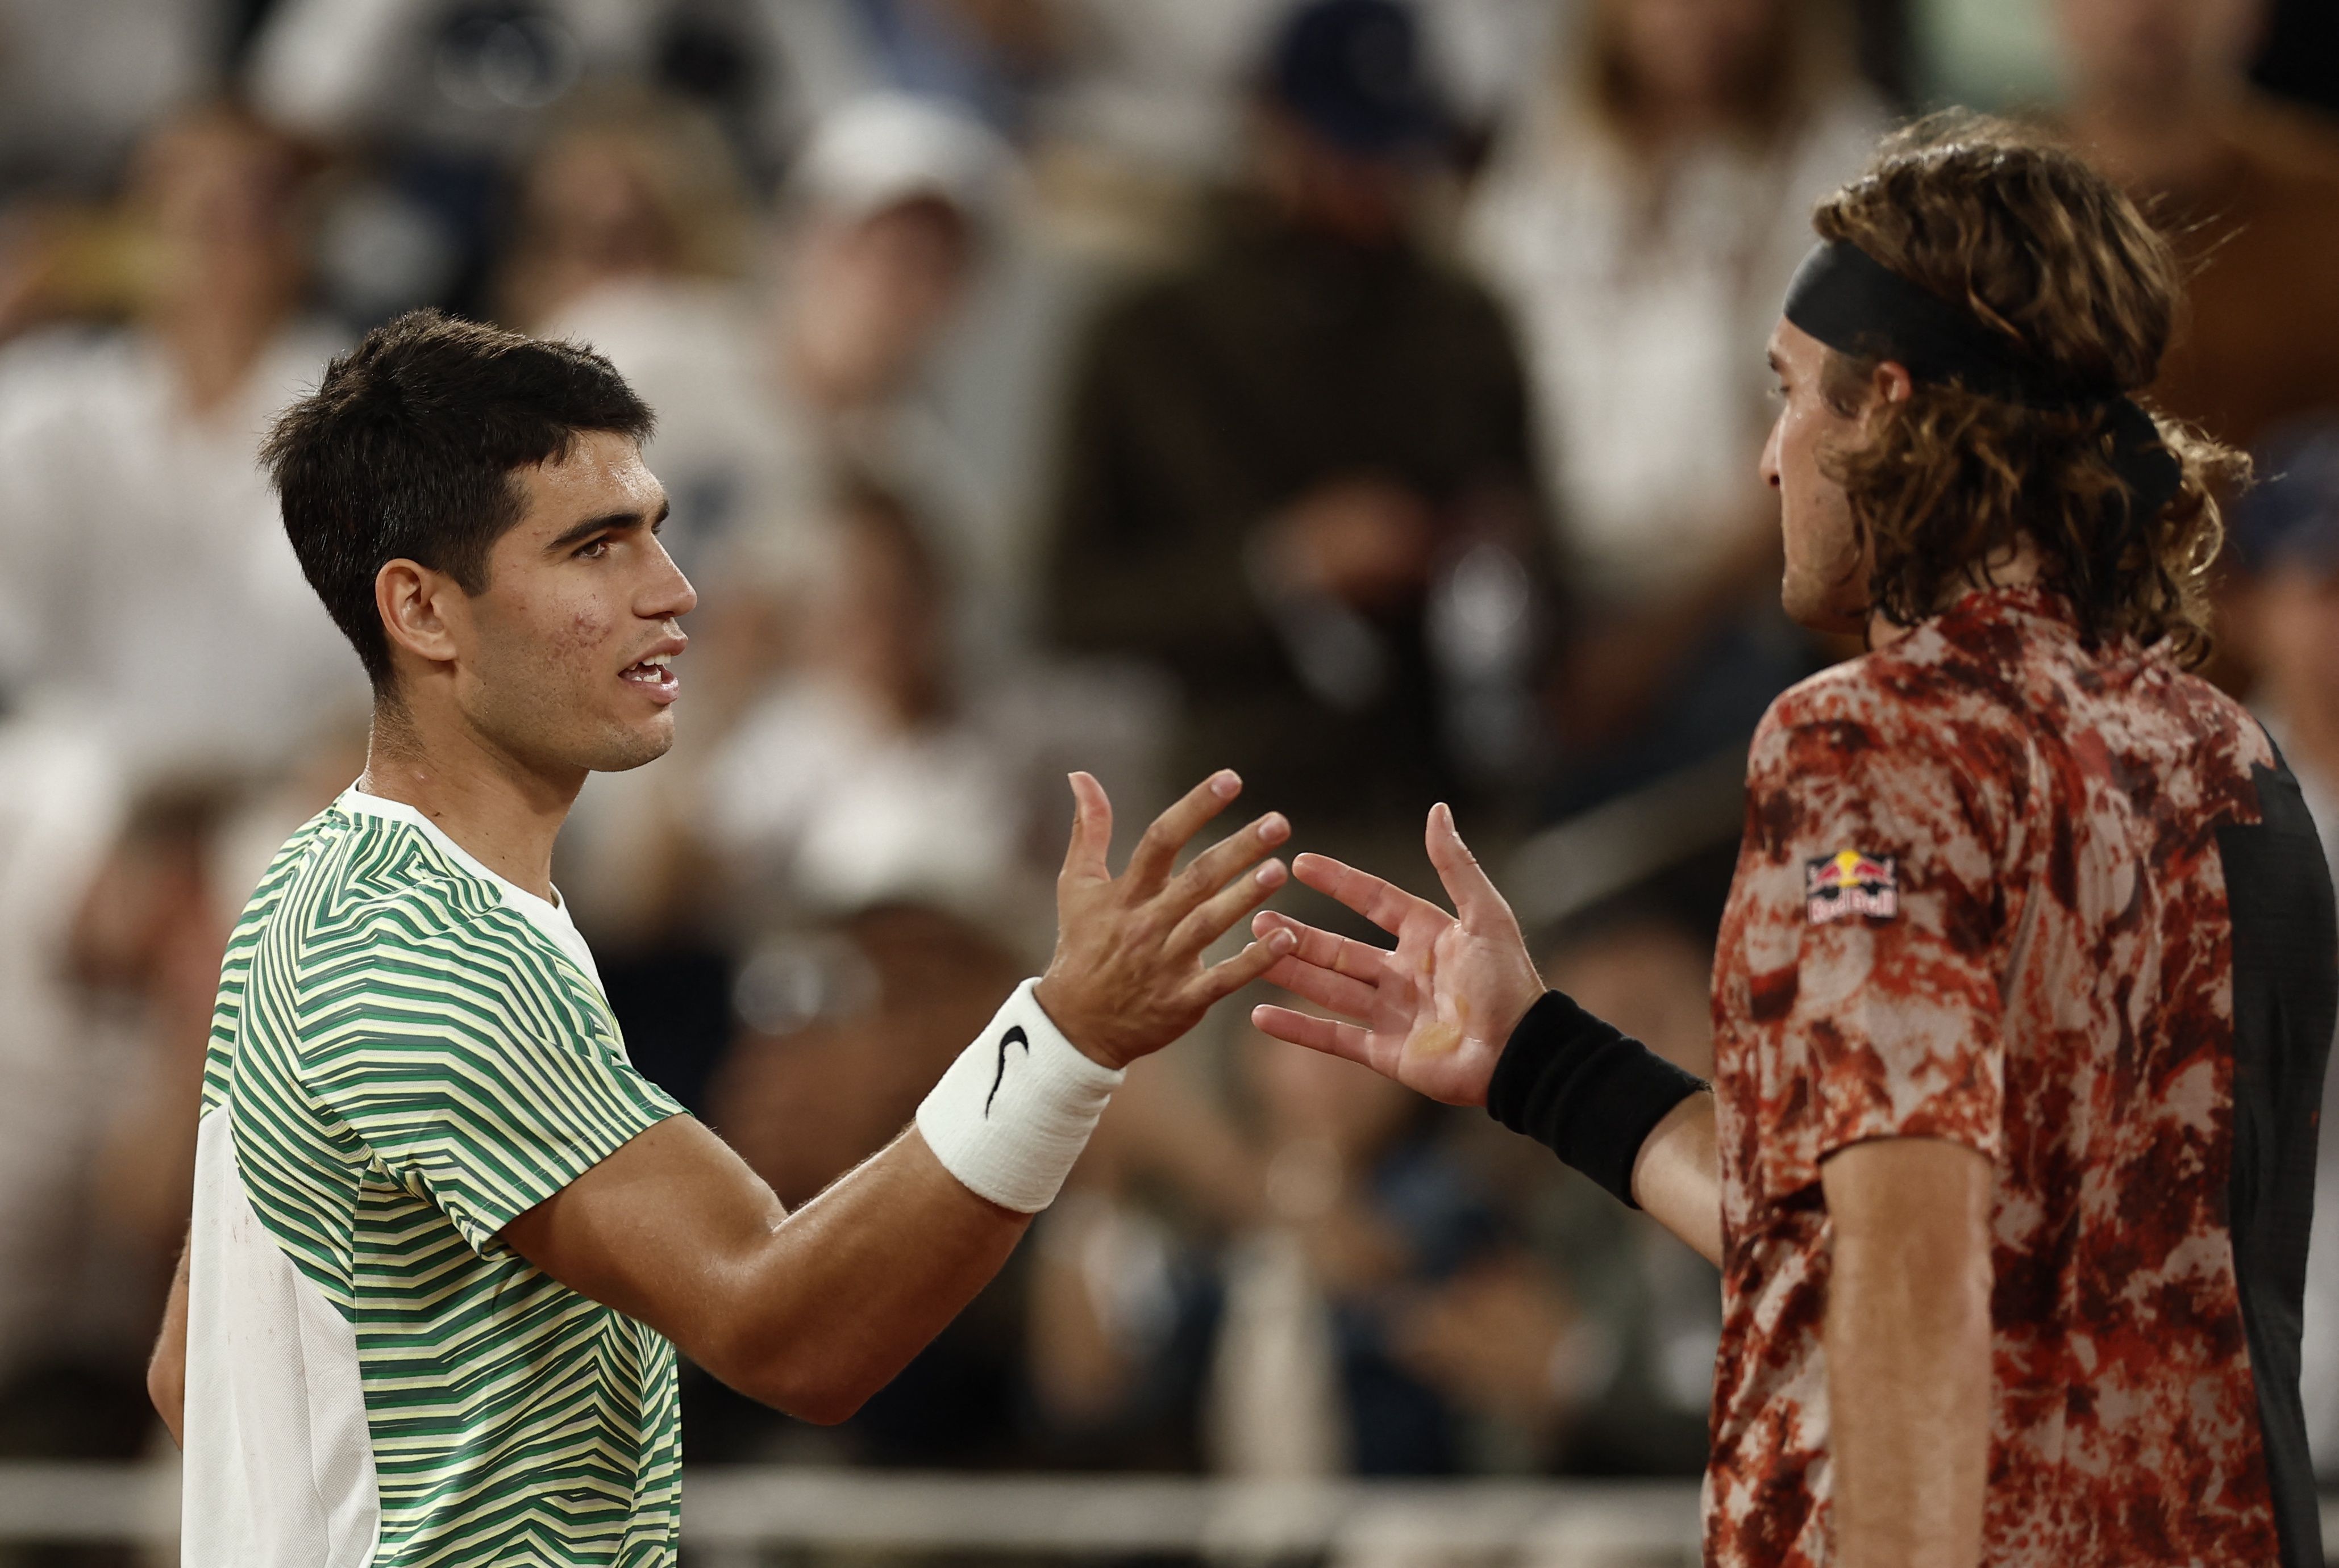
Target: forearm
(1677, 1176)
(813, 1311)
(1908, 1363)
(1611, 1108)
(852, 1286)
(166, 1369)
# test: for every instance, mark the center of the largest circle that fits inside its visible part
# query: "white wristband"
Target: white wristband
(1017, 1107)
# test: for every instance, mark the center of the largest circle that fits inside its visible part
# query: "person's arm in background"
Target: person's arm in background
(1438, 1012)
(1907, 1340)
(166, 1368)
(813, 1311)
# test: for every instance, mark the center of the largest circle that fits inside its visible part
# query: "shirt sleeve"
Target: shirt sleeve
(1884, 885)
(479, 1067)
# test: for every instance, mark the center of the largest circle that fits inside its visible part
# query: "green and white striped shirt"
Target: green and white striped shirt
(409, 1052)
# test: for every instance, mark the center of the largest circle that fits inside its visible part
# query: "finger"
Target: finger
(1326, 1035)
(1085, 856)
(1219, 912)
(1216, 865)
(1384, 904)
(1220, 981)
(1157, 852)
(1345, 956)
(1473, 894)
(1350, 998)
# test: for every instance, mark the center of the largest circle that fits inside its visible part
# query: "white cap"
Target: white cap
(884, 149)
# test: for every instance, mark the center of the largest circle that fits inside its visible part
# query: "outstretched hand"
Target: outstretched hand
(1128, 976)
(1435, 1013)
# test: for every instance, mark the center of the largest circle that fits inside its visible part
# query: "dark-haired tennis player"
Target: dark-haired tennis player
(2027, 979)
(446, 1239)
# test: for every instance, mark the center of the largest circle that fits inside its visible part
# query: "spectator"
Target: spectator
(1295, 471)
(81, 83)
(1644, 1358)
(2160, 95)
(445, 97)
(1364, 1207)
(990, 57)
(1591, 1349)
(61, 806)
(1642, 222)
(1127, 1273)
(1277, 1292)
(629, 190)
(763, 400)
(861, 777)
(846, 1026)
(2286, 536)
(149, 586)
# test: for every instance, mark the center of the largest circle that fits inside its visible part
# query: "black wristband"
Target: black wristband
(1584, 1090)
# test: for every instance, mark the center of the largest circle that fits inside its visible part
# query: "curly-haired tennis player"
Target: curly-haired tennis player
(2027, 980)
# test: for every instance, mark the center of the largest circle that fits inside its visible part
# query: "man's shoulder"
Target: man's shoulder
(1920, 692)
(377, 895)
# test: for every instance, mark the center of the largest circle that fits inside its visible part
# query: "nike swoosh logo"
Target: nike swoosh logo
(1012, 1037)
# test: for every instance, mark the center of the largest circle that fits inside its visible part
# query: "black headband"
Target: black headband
(1853, 303)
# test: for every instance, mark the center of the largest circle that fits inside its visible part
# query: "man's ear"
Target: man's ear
(1890, 382)
(418, 609)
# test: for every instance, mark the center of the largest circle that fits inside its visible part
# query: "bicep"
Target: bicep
(660, 1231)
(1884, 907)
(1910, 1215)
(1907, 1347)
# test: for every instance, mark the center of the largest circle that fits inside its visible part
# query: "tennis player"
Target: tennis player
(2026, 982)
(446, 1239)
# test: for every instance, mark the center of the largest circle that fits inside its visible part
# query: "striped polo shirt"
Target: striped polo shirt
(409, 1052)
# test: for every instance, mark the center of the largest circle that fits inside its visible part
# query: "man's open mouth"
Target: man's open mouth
(655, 672)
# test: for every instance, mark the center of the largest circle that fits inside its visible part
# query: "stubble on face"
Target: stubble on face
(1824, 586)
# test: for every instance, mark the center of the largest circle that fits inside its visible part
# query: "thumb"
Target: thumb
(1085, 856)
(1466, 883)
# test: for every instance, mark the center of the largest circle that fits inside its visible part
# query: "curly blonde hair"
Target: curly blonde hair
(2039, 246)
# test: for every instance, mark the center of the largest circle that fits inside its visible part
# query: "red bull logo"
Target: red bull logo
(1849, 882)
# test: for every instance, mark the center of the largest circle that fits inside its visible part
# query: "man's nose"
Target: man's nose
(671, 594)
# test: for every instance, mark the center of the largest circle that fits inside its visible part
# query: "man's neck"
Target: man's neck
(502, 812)
(2018, 567)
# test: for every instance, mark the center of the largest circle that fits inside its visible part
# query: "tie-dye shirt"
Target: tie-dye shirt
(2062, 905)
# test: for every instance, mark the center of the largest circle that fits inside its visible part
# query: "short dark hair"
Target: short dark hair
(408, 450)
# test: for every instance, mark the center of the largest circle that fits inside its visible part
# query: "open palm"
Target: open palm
(1434, 1013)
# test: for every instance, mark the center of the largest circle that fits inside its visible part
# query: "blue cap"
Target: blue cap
(1352, 72)
(2291, 518)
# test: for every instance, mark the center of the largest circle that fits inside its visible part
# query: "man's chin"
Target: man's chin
(1835, 613)
(630, 748)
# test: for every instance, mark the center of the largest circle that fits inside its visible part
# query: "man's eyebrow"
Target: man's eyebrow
(579, 532)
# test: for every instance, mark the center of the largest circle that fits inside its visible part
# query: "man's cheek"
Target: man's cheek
(585, 631)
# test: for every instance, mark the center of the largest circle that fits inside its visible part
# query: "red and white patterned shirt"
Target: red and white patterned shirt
(1996, 888)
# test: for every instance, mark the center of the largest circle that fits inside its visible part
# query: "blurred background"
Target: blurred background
(1361, 394)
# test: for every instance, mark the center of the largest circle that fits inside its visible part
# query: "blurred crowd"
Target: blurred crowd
(1363, 395)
